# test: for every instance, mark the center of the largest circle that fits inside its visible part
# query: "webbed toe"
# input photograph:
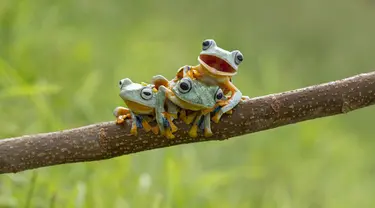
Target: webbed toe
(120, 120)
(168, 134)
(188, 119)
(193, 132)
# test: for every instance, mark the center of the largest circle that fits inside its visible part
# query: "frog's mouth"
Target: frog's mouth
(217, 63)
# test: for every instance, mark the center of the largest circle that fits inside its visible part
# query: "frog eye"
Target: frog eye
(238, 57)
(146, 93)
(124, 82)
(120, 83)
(207, 44)
(184, 86)
(219, 95)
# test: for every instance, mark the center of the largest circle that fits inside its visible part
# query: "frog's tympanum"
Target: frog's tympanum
(187, 94)
(216, 68)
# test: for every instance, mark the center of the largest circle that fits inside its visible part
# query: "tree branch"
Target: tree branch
(107, 140)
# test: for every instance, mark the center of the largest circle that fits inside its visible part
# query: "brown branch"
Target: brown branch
(107, 140)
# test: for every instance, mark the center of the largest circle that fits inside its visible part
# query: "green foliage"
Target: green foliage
(60, 62)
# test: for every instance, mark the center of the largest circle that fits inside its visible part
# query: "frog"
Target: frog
(217, 66)
(187, 94)
(140, 99)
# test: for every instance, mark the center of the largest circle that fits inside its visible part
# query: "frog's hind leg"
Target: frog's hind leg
(146, 126)
(187, 118)
(193, 132)
(147, 119)
(135, 123)
(168, 116)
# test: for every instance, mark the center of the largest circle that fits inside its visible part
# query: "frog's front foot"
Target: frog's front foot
(120, 119)
(217, 116)
(245, 98)
(121, 114)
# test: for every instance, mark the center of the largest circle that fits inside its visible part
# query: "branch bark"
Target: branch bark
(107, 140)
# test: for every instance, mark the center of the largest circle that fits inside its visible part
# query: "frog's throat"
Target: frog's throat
(138, 107)
(216, 71)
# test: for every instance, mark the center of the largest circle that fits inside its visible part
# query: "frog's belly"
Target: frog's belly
(185, 105)
(209, 78)
(139, 108)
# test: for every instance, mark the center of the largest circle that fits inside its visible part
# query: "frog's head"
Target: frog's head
(197, 93)
(219, 61)
(137, 93)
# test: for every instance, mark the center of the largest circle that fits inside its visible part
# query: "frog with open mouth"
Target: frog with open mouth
(141, 100)
(216, 66)
(186, 94)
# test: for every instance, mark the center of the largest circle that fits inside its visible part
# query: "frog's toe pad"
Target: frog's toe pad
(155, 130)
(193, 132)
(173, 128)
(208, 133)
(245, 98)
(169, 135)
(119, 120)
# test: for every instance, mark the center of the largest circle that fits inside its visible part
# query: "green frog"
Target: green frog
(141, 100)
(186, 94)
(216, 67)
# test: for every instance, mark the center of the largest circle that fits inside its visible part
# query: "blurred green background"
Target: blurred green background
(60, 62)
